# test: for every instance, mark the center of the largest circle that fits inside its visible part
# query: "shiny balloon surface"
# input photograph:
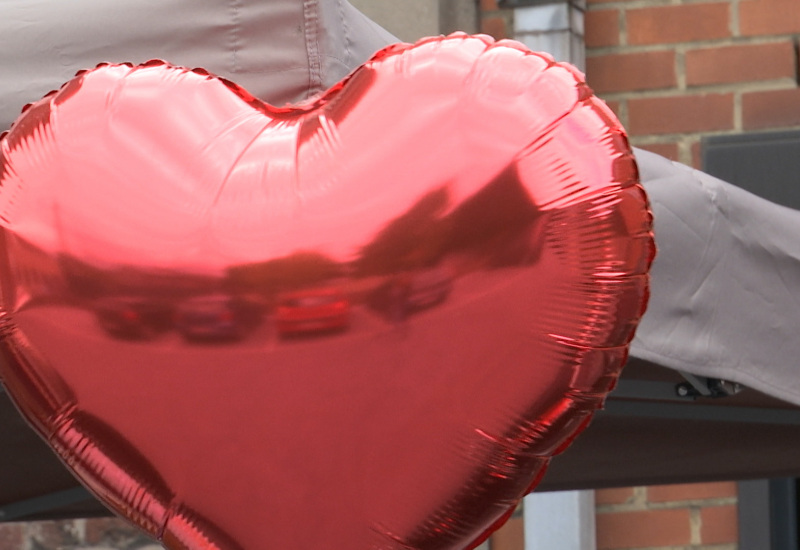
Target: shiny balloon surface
(363, 322)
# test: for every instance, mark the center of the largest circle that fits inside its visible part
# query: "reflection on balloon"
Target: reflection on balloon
(367, 321)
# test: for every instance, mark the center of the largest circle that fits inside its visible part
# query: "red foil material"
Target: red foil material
(367, 321)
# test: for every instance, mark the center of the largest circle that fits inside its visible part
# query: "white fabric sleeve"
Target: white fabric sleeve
(725, 283)
(279, 50)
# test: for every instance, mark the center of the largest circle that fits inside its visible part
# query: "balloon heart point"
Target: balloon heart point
(366, 322)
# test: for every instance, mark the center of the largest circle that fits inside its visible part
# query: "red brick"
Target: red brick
(668, 150)
(691, 491)
(772, 109)
(682, 23)
(11, 536)
(643, 529)
(740, 63)
(489, 5)
(768, 17)
(494, 27)
(602, 28)
(613, 496)
(680, 114)
(720, 525)
(697, 155)
(98, 528)
(510, 537)
(630, 72)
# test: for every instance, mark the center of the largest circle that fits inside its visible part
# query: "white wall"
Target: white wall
(562, 520)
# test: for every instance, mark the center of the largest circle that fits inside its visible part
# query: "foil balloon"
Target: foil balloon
(365, 321)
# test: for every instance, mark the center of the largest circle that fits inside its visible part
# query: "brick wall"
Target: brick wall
(510, 536)
(672, 517)
(699, 516)
(675, 71)
(496, 22)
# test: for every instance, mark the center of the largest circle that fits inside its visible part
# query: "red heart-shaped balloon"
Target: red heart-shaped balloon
(367, 321)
